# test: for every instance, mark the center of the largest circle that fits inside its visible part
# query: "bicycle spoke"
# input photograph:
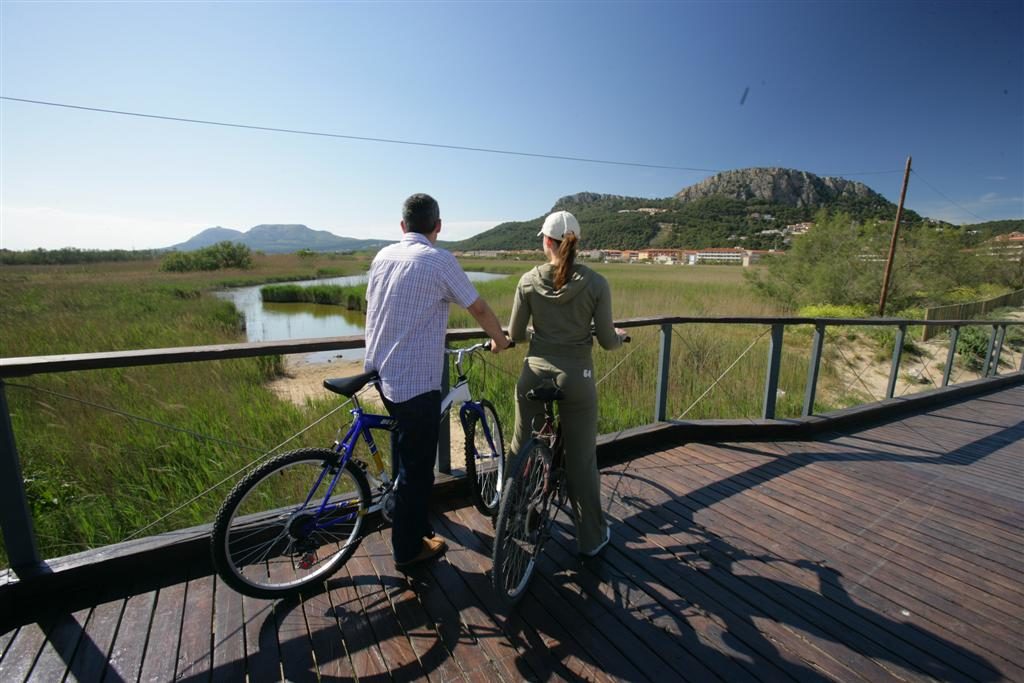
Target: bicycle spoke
(268, 541)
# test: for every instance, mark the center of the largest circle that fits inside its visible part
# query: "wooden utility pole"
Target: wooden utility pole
(892, 244)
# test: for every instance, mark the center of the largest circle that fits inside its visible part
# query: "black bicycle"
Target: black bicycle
(534, 489)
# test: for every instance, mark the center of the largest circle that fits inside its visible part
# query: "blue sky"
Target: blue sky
(835, 88)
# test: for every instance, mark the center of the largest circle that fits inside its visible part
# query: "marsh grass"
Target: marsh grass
(94, 476)
(352, 298)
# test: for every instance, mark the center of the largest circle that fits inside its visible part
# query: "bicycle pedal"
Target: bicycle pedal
(307, 561)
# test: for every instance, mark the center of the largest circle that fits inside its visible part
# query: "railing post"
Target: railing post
(897, 355)
(444, 435)
(771, 380)
(15, 519)
(664, 360)
(954, 336)
(814, 365)
(999, 350)
(988, 352)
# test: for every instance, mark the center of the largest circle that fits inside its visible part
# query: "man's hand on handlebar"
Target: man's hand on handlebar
(623, 335)
(507, 344)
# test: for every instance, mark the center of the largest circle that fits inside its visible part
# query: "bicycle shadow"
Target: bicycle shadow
(661, 554)
(807, 597)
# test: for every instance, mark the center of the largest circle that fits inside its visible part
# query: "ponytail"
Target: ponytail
(566, 260)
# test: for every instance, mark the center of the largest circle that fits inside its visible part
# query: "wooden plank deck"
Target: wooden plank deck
(888, 553)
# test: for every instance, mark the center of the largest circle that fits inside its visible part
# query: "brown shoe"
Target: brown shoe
(431, 548)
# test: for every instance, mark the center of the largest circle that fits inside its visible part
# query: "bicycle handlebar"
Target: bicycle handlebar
(482, 346)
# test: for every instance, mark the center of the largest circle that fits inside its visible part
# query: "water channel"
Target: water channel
(276, 321)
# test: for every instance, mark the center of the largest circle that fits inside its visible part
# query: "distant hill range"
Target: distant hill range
(277, 239)
(746, 207)
(743, 208)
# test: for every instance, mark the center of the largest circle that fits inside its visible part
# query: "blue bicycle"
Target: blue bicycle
(296, 519)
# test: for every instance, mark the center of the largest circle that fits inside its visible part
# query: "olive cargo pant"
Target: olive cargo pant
(578, 415)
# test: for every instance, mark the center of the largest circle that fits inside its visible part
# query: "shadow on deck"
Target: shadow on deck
(890, 552)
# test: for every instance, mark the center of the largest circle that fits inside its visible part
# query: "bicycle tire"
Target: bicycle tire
(523, 520)
(262, 544)
(485, 467)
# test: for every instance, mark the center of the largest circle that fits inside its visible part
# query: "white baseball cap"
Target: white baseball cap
(559, 224)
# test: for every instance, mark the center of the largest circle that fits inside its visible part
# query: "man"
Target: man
(410, 286)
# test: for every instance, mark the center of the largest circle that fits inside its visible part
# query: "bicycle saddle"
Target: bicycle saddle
(545, 393)
(348, 386)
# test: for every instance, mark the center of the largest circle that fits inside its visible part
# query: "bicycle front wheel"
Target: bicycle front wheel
(279, 530)
(523, 521)
(485, 458)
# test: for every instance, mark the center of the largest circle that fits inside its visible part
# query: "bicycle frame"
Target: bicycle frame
(461, 395)
(361, 428)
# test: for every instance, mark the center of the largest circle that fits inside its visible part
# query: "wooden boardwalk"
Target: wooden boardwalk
(889, 553)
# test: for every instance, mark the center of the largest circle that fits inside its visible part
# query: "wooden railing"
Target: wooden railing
(970, 309)
(16, 521)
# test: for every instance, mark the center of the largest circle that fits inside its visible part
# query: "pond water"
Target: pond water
(276, 321)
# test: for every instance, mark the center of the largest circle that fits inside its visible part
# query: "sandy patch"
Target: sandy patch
(861, 373)
(303, 380)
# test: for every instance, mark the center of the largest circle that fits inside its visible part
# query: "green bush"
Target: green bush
(972, 345)
(215, 257)
(834, 311)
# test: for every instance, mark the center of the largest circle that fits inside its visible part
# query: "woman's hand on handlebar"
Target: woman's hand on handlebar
(623, 335)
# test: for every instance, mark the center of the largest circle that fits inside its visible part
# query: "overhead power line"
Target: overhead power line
(361, 138)
(391, 141)
(941, 194)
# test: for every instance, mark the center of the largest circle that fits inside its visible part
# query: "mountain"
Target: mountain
(209, 237)
(277, 239)
(745, 207)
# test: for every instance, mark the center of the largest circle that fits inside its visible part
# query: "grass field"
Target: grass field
(106, 453)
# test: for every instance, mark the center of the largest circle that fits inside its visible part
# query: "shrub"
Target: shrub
(215, 257)
(972, 345)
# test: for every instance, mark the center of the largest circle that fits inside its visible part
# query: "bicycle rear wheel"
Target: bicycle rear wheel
(485, 459)
(524, 518)
(278, 532)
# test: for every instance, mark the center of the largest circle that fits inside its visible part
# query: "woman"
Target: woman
(567, 303)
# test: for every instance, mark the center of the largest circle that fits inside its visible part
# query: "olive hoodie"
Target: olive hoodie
(565, 319)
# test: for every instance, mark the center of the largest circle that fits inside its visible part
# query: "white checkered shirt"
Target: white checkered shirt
(410, 286)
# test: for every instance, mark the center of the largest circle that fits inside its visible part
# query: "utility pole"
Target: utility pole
(892, 244)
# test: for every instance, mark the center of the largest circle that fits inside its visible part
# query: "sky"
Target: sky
(830, 87)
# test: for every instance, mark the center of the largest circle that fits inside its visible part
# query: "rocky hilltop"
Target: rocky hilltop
(747, 207)
(779, 186)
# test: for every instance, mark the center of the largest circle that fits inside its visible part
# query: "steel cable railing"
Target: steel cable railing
(859, 376)
(263, 455)
(20, 542)
(722, 376)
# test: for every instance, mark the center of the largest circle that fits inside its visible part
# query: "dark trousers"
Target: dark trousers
(414, 444)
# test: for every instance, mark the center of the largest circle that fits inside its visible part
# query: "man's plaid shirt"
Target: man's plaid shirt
(410, 286)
